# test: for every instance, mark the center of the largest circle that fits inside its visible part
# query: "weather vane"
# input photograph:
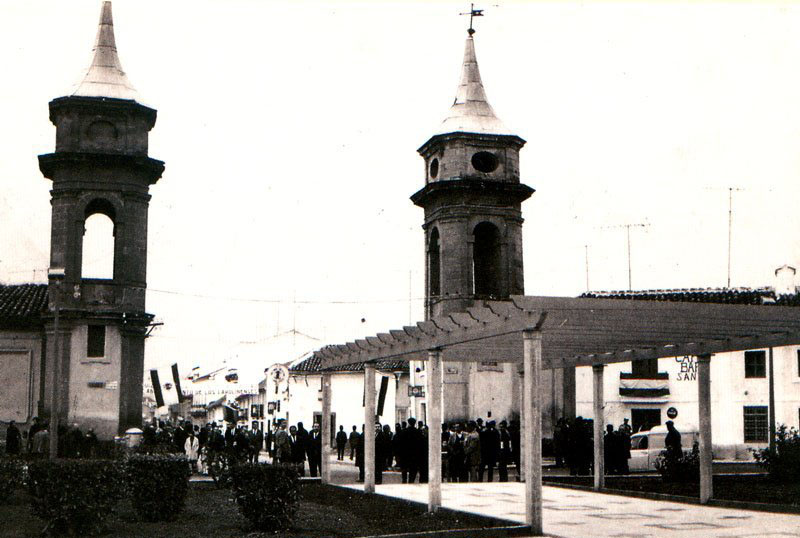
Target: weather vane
(472, 13)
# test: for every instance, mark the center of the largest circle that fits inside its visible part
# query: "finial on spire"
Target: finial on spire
(472, 13)
(471, 112)
(105, 77)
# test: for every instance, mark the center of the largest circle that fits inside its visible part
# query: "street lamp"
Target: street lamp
(56, 276)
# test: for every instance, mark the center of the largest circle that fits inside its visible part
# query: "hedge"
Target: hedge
(75, 497)
(267, 495)
(158, 485)
(10, 476)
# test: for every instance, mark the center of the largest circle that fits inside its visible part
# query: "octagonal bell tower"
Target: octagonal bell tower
(472, 200)
(473, 244)
(100, 167)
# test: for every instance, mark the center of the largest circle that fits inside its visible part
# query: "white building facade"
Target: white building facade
(651, 392)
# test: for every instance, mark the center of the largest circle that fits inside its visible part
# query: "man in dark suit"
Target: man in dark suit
(504, 452)
(490, 446)
(298, 451)
(341, 442)
(315, 451)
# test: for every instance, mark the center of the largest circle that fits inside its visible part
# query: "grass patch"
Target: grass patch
(324, 511)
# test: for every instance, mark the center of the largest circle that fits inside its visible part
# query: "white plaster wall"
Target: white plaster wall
(89, 407)
(347, 389)
(491, 397)
(730, 392)
(20, 359)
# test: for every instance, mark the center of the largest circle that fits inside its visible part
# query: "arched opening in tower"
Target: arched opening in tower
(434, 274)
(98, 241)
(487, 261)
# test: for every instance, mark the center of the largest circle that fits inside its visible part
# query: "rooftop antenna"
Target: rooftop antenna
(730, 227)
(628, 236)
(472, 14)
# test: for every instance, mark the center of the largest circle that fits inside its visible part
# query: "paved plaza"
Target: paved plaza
(569, 513)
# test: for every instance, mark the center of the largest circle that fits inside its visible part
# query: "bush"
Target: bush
(74, 496)
(10, 476)
(679, 467)
(267, 495)
(158, 485)
(784, 464)
(220, 464)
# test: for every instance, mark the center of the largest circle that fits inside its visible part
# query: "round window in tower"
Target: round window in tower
(434, 168)
(486, 162)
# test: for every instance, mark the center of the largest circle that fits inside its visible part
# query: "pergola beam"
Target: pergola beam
(580, 332)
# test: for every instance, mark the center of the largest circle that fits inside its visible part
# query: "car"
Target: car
(646, 446)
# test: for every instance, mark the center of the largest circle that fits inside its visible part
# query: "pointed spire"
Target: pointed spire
(105, 77)
(471, 112)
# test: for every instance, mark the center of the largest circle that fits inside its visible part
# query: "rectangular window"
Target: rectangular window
(798, 363)
(645, 419)
(756, 428)
(755, 364)
(645, 369)
(96, 341)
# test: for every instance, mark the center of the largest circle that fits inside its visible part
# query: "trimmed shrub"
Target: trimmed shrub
(74, 496)
(158, 485)
(10, 476)
(784, 464)
(220, 464)
(679, 467)
(267, 495)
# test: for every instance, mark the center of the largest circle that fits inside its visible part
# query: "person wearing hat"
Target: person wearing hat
(673, 440)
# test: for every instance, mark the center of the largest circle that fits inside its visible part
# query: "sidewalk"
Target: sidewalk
(570, 513)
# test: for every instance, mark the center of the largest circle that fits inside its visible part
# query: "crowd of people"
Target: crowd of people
(573, 446)
(472, 450)
(72, 441)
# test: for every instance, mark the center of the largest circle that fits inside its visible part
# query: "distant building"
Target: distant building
(649, 392)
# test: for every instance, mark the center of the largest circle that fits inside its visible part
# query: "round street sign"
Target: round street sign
(672, 412)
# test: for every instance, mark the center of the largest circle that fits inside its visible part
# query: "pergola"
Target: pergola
(558, 332)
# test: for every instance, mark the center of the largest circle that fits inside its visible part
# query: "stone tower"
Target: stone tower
(473, 235)
(100, 165)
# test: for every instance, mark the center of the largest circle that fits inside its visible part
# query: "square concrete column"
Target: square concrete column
(435, 412)
(704, 404)
(599, 420)
(369, 428)
(532, 430)
(325, 468)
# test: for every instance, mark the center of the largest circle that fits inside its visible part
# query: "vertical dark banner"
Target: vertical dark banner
(382, 394)
(177, 378)
(157, 388)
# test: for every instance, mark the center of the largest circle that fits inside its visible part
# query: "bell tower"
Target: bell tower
(473, 246)
(100, 167)
(472, 200)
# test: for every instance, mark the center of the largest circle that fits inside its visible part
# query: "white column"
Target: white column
(434, 397)
(704, 404)
(325, 469)
(369, 428)
(599, 420)
(532, 430)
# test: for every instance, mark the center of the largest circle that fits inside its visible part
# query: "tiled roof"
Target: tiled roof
(22, 305)
(758, 296)
(312, 365)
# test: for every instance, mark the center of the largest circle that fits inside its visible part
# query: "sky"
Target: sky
(289, 129)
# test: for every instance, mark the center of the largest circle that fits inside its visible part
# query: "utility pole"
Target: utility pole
(56, 275)
(586, 252)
